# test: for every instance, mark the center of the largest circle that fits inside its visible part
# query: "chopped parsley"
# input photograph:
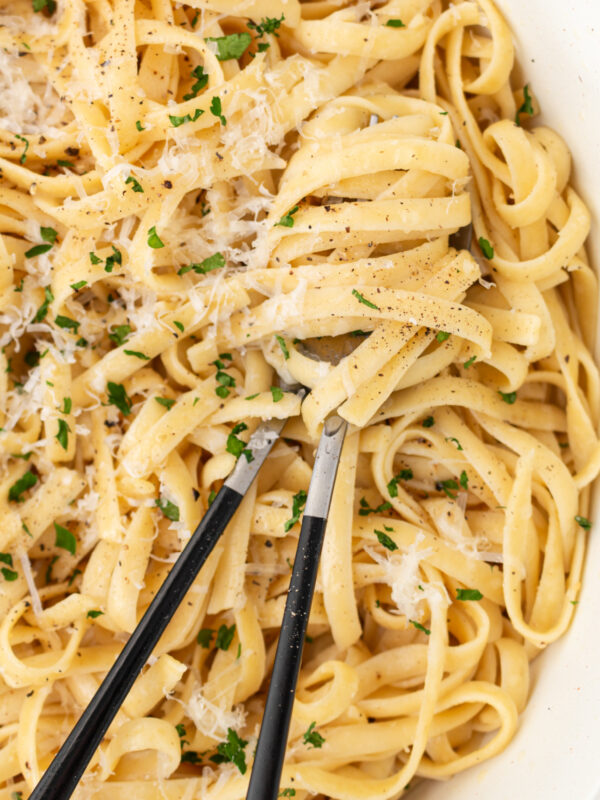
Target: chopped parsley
(204, 637)
(154, 240)
(282, 344)
(231, 751)
(236, 446)
(224, 637)
(252, 396)
(216, 110)
(38, 250)
(139, 125)
(94, 258)
(48, 234)
(508, 397)
(21, 486)
(403, 475)
(201, 81)
(23, 157)
(362, 299)
(62, 436)
(428, 422)
(79, 285)
(441, 336)
(276, 393)
(287, 221)
(40, 5)
(65, 539)
(456, 442)
(312, 738)
(40, 314)
(365, 509)
(298, 503)
(67, 323)
(469, 362)
(386, 540)
(464, 480)
(446, 487)
(224, 380)
(137, 354)
(178, 325)
(9, 574)
(395, 23)
(468, 594)
(216, 261)
(232, 46)
(266, 25)
(6, 558)
(169, 509)
(526, 107)
(116, 258)
(93, 614)
(119, 334)
(135, 185)
(167, 402)
(117, 396)
(48, 575)
(420, 627)
(76, 572)
(486, 247)
(583, 522)
(177, 121)
(61, 162)
(211, 497)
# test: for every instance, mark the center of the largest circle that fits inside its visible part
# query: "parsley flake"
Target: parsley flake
(287, 221)
(362, 299)
(65, 539)
(167, 402)
(508, 397)
(428, 422)
(177, 121)
(37, 250)
(216, 110)
(169, 509)
(137, 354)
(201, 81)
(464, 480)
(9, 574)
(21, 486)
(94, 258)
(116, 258)
(469, 362)
(446, 486)
(583, 522)
(420, 627)
(232, 46)
(468, 594)
(403, 475)
(441, 336)
(23, 157)
(117, 396)
(79, 285)
(94, 614)
(526, 107)
(486, 248)
(395, 23)
(224, 637)
(298, 503)
(456, 442)
(312, 738)
(204, 637)
(40, 314)
(135, 185)
(62, 436)
(119, 334)
(282, 344)
(365, 509)
(386, 541)
(276, 393)
(154, 240)
(67, 323)
(236, 446)
(216, 261)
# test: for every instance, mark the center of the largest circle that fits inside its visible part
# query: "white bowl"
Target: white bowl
(556, 752)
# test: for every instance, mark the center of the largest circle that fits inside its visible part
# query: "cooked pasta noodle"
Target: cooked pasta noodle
(189, 192)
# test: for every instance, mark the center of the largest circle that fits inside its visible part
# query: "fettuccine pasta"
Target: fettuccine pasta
(191, 196)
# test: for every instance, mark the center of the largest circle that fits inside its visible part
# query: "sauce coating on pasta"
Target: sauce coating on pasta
(188, 191)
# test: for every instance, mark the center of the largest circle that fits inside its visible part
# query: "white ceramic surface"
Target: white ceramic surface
(556, 753)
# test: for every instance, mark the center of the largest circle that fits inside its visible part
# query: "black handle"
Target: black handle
(270, 753)
(63, 774)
